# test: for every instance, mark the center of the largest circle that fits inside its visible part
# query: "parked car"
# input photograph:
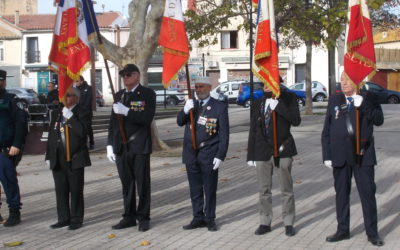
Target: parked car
(99, 98)
(244, 93)
(230, 89)
(171, 96)
(383, 95)
(318, 90)
(28, 96)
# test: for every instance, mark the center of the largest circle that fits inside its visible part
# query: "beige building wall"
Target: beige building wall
(12, 52)
(8, 7)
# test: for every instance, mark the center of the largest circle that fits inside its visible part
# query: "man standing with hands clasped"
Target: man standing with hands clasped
(69, 176)
(202, 163)
(260, 154)
(136, 107)
(338, 152)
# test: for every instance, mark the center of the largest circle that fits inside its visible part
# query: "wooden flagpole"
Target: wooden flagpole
(191, 116)
(119, 117)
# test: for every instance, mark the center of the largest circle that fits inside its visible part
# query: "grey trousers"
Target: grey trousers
(264, 175)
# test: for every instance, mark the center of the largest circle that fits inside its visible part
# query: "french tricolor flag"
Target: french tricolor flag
(70, 52)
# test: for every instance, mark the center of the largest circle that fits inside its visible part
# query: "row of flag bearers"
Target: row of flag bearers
(129, 140)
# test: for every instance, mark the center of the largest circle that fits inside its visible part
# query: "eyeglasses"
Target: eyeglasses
(129, 74)
(199, 86)
(69, 95)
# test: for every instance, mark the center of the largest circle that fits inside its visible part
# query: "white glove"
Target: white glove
(67, 113)
(110, 154)
(188, 106)
(251, 163)
(357, 100)
(273, 103)
(120, 108)
(48, 163)
(328, 164)
(216, 163)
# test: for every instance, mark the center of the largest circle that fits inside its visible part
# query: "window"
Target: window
(229, 39)
(299, 86)
(235, 86)
(1, 51)
(32, 54)
(224, 88)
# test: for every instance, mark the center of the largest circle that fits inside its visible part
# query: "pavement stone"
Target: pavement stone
(237, 198)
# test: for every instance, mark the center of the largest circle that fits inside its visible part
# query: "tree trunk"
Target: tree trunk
(332, 71)
(309, 108)
(145, 18)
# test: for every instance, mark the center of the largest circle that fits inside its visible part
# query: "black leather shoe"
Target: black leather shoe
(144, 225)
(376, 241)
(124, 224)
(75, 226)
(211, 226)
(194, 224)
(289, 231)
(60, 224)
(338, 236)
(262, 229)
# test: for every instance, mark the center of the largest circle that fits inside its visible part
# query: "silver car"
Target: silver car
(318, 90)
(28, 96)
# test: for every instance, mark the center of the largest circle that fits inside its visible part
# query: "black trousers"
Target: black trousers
(69, 183)
(134, 171)
(366, 187)
(203, 182)
(90, 131)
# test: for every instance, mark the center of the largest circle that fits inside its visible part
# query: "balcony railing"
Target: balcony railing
(32, 56)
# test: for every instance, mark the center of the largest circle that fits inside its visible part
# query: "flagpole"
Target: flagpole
(191, 116)
(358, 138)
(119, 117)
(67, 147)
(251, 55)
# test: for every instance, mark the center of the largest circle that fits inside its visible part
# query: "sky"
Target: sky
(46, 6)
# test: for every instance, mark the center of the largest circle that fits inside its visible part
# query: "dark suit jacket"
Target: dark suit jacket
(337, 144)
(86, 96)
(142, 104)
(210, 146)
(260, 145)
(78, 125)
(52, 97)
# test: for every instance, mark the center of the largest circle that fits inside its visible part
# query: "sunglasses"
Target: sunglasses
(69, 95)
(129, 74)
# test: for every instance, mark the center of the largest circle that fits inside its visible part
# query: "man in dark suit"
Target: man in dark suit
(69, 175)
(136, 107)
(338, 151)
(202, 163)
(260, 154)
(13, 129)
(52, 94)
(85, 101)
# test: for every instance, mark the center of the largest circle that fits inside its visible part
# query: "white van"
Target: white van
(229, 89)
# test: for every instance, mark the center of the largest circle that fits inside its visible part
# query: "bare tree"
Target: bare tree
(145, 18)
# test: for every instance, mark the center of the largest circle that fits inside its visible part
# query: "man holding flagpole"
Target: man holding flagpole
(136, 106)
(347, 137)
(270, 142)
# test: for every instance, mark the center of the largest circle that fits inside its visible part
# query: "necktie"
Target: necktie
(350, 99)
(267, 118)
(127, 96)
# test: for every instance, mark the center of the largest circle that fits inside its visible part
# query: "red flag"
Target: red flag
(70, 52)
(174, 41)
(359, 60)
(254, 3)
(265, 65)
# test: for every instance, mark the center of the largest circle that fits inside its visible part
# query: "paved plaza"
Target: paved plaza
(237, 198)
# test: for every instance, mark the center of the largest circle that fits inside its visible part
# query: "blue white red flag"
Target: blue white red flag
(70, 52)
